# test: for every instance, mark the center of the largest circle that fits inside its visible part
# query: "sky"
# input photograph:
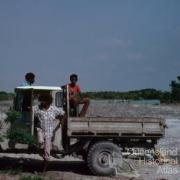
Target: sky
(113, 45)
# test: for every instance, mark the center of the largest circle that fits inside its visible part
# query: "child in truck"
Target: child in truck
(75, 97)
(45, 113)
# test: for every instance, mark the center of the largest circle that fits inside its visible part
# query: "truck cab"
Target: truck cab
(26, 98)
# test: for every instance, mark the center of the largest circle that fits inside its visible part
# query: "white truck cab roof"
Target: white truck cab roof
(39, 88)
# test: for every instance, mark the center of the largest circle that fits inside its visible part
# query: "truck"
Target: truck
(98, 140)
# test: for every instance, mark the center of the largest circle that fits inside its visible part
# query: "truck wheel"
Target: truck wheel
(102, 156)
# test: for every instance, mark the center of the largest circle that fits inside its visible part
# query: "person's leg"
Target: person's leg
(85, 102)
(74, 107)
(40, 137)
(47, 148)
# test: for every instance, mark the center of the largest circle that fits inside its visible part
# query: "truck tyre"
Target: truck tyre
(102, 157)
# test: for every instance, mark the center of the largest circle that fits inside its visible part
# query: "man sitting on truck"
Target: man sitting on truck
(45, 114)
(75, 96)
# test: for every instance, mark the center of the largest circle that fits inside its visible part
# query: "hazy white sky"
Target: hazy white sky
(111, 44)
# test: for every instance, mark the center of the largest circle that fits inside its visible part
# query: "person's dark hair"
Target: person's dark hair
(29, 76)
(74, 76)
(46, 97)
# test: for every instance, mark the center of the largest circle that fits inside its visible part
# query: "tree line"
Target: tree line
(147, 94)
(164, 96)
(172, 96)
(4, 96)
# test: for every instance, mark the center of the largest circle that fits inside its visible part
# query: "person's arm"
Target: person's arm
(59, 114)
(62, 118)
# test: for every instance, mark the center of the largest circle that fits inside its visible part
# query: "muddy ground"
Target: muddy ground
(16, 166)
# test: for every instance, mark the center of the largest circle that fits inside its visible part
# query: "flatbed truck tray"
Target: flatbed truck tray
(116, 126)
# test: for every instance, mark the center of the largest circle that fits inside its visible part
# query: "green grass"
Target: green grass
(12, 116)
(18, 134)
(12, 171)
(21, 136)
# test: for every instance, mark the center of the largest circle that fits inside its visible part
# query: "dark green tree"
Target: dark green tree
(175, 89)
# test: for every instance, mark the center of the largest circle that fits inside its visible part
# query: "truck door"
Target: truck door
(23, 105)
